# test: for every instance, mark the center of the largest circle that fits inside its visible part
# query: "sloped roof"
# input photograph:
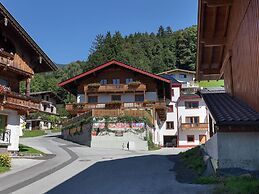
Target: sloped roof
(60, 100)
(176, 70)
(24, 35)
(171, 77)
(227, 110)
(111, 63)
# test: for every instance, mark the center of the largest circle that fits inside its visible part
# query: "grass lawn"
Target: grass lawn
(28, 150)
(193, 159)
(33, 133)
(4, 169)
(211, 83)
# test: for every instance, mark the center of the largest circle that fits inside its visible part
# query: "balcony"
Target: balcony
(194, 126)
(17, 102)
(12, 62)
(113, 88)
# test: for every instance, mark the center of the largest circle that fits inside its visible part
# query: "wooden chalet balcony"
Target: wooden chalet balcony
(113, 88)
(13, 62)
(194, 126)
(15, 101)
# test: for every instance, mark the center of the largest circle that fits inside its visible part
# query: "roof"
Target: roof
(227, 110)
(70, 84)
(48, 92)
(173, 80)
(176, 70)
(189, 96)
(213, 21)
(24, 35)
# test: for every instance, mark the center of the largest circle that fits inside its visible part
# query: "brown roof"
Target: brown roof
(212, 31)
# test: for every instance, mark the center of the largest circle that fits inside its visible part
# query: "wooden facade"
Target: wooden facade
(228, 46)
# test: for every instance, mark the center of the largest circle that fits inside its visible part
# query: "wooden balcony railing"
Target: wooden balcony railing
(194, 126)
(15, 63)
(115, 88)
(18, 102)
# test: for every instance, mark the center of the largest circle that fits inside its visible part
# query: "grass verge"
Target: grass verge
(33, 133)
(4, 169)
(193, 159)
(28, 150)
(211, 83)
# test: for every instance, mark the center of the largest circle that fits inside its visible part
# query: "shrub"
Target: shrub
(5, 160)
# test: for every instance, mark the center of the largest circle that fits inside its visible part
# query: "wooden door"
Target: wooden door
(202, 139)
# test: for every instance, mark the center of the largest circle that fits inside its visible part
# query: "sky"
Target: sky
(65, 29)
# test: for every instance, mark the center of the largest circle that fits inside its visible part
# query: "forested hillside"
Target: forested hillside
(153, 52)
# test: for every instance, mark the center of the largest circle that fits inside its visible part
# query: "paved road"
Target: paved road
(78, 169)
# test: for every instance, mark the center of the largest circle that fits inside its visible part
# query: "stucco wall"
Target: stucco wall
(235, 150)
(183, 137)
(13, 124)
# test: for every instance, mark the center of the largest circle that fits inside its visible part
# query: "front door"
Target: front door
(202, 139)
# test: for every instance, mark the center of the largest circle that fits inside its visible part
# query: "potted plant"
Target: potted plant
(94, 85)
(113, 105)
(148, 103)
(134, 84)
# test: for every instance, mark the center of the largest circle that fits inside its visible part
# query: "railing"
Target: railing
(194, 126)
(5, 136)
(14, 62)
(22, 102)
(82, 107)
(190, 84)
(115, 88)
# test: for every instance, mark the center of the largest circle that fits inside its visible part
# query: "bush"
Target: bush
(5, 160)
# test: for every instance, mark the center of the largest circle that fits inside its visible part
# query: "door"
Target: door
(170, 141)
(3, 124)
(202, 139)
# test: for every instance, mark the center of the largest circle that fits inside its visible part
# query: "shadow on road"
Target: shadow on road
(142, 174)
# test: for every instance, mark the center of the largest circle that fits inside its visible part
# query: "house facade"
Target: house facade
(228, 48)
(48, 106)
(186, 124)
(116, 89)
(20, 59)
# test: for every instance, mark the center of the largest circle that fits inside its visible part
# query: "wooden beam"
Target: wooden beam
(225, 62)
(218, 3)
(214, 41)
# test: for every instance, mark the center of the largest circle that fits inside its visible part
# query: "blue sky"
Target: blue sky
(65, 29)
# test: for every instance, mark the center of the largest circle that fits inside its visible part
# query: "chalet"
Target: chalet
(186, 124)
(20, 59)
(48, 105)
(228, 47)
(114, 89)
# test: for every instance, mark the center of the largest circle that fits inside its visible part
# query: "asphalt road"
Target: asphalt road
(79, 169)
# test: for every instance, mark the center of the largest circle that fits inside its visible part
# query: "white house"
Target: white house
(186, 124)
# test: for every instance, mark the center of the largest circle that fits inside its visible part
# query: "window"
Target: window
(192, 119)
(170, 125)
(182, 76)
(116, 97)
(172, 92)
(52, 109)
(191, 104)
(44, 107)
(116, 81)
(190, 138)
(47, 98)
(139, 98)
(4, 82)
(171, 108)
(104, 81)
(92, 99)
(129, 80)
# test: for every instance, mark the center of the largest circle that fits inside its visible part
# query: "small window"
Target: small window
(172, 92)
(52, 109)
(139, 98)
(190, 138)
(92, 99)
(44, 107)
(4, 82)
(171, 108)
(104, 81)
(170, 125)
(191, 104)
(116, 97)
(116, 81)
(192, 119)
(182, 75)
(47, 98)
(129, 80)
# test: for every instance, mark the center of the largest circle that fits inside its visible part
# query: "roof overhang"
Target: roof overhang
(43, 59)
(213, 19)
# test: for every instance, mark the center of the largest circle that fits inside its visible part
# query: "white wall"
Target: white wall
(13, 124)
(235, 150)
(189, 77)
(183, 137)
